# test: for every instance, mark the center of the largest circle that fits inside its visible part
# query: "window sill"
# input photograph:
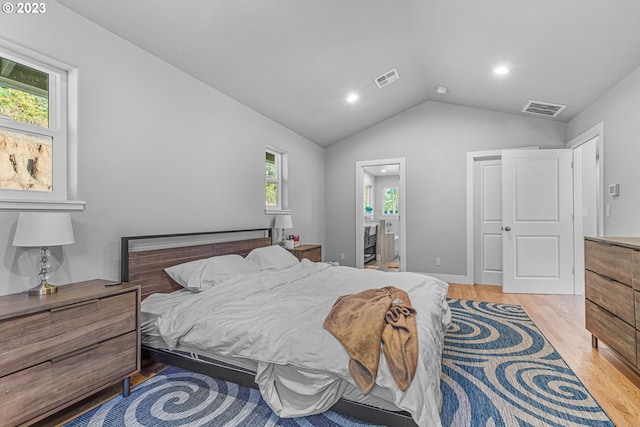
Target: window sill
(277, 212)
(42, 205)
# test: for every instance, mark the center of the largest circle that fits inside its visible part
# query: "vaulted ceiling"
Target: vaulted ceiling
(296, 61)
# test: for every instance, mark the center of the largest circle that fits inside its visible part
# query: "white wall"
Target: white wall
(434, 138)
(619, 109)
(158, 152)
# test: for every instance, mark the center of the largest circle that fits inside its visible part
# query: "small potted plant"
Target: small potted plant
(369, 209)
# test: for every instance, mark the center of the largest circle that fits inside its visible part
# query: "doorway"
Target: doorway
(587, 163)
(380, 214)
(588, 178)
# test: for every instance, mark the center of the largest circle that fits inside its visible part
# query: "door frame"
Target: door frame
(596, 131)
(472, 157)
(402, 188)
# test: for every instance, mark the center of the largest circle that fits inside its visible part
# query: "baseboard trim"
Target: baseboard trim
(451, 278)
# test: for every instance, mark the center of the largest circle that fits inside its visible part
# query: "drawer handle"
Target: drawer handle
(607, 312)
(609, 279)
(74, 353)
(70, 306)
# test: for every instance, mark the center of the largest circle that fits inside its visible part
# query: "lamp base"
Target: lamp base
(44, 288)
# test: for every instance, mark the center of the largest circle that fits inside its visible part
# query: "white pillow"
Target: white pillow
(182, 272)
(273, 257)
(203, 274)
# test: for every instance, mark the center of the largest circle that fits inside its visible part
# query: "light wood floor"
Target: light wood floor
(393, 265)
(613, 383)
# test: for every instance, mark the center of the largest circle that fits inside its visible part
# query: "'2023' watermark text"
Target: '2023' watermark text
(24, 8)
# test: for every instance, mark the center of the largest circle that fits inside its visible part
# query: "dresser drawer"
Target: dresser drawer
(618, 335)
(610, 295)
(314, 254)
(637, 294)
(609, 260)
(44, 387)
(635, 260)
(310, 252)
(34, 338)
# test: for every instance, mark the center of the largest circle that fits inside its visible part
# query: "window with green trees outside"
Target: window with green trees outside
(391, 201)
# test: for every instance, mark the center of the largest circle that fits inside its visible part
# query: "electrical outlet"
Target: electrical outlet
(342, 256)
(437, 261)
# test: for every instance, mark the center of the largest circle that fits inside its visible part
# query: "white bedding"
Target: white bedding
(275, 318)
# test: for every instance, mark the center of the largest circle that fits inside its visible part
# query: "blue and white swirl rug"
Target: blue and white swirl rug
(497, 370)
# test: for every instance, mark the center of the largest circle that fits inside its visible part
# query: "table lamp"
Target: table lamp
(43, 229)
(282, 222)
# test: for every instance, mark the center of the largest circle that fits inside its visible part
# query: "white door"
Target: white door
(488, 220)
(537, 224)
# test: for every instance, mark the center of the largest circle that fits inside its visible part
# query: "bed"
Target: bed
(275, 354)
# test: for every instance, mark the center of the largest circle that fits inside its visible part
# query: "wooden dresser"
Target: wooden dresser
(59, 349)
(310, 252)
(612, 294)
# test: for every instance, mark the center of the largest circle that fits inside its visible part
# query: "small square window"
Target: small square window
(391, 201)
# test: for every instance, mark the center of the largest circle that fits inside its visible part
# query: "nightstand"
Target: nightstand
(310, 252)
(61, 348)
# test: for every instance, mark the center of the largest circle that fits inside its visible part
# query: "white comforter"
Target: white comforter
(276, 319)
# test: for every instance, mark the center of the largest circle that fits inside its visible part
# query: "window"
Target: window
(275, 180)
(391, 201)
(368, 206)
(33, 131)
(272, 174)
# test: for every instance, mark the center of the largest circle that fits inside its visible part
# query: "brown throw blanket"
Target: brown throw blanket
(364, 321)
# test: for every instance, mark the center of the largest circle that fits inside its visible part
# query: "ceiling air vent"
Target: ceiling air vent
(386, 78)
(546, 109)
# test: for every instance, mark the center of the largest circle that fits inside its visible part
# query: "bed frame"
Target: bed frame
(145, 267)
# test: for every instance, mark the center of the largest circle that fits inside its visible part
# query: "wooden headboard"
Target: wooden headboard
(145, 267)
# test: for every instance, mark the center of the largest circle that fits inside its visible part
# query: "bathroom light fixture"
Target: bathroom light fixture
(501, 70)
(353, 97)
(442, 90)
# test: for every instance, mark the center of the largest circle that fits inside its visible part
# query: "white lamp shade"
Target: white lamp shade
(38, 229)
(283, 221)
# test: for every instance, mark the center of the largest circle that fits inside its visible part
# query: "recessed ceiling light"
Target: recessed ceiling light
(501, 70)
(383, 170)
(353, 97)
(442, 90)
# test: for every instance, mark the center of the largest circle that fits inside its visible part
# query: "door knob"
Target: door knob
(507, 228)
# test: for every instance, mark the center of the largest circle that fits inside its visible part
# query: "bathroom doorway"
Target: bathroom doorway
(380, 212)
